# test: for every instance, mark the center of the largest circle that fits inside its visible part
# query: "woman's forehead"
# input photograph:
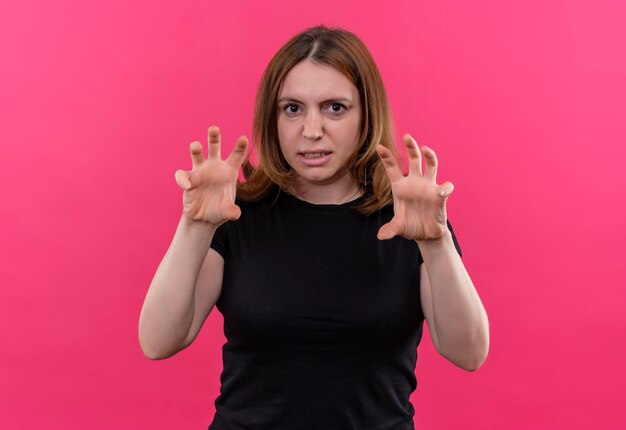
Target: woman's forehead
(309, 81)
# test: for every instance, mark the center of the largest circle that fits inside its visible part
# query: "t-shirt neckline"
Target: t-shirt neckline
(324, 206)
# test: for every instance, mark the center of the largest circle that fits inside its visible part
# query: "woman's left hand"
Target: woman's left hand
(419, 204)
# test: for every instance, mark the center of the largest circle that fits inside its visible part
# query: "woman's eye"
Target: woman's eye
(337, 107)
(291, 108)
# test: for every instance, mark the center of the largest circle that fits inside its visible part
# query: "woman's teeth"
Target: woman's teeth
(315, 154)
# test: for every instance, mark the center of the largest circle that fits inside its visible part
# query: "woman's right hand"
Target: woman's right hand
(210, 186)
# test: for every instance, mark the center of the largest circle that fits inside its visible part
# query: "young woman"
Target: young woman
(324, 262)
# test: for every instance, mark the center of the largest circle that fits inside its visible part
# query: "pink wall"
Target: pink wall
(523, 102)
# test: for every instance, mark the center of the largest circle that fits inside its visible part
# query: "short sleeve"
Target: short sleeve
(454, 239)
(220, 240)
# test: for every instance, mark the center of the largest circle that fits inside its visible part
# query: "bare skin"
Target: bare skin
(456, 318)
(188, 281)
(209, 188)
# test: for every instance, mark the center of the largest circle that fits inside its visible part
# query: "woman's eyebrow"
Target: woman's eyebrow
(331, 100)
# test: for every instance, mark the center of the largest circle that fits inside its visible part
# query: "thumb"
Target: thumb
(182, 179)
(387, 231)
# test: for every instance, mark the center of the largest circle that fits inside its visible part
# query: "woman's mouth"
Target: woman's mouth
(314, 158)
(315, 154)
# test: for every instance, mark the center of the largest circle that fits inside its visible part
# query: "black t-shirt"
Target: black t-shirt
(322, 319)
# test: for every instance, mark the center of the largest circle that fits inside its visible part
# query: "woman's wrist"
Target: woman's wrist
(440, 242)
(197, 227)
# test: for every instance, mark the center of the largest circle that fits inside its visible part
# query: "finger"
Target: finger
(182, 179)
(236, 157)
(389, 161)
(430, 160)
(214, 142)
(444, 190)
(387, 231)
(232, 212)
(196, 153)
(414, 154)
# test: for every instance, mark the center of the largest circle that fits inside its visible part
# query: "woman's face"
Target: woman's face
(319, 123)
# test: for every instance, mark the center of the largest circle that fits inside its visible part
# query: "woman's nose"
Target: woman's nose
(313, 127)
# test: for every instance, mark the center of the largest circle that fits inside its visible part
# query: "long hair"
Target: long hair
(343, 51)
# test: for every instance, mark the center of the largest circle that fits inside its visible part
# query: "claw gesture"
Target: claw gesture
(419, 204)
(210, 186)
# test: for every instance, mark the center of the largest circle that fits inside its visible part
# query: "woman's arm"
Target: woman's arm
(456, 318)
(188, 281)
(174, 305)
(455, 315)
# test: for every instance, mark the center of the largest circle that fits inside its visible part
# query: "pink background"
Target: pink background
(523, 102)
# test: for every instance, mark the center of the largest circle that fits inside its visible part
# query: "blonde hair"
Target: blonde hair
(343, 51)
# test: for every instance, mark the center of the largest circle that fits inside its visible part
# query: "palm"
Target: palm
(212, 182)
(418, 202)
